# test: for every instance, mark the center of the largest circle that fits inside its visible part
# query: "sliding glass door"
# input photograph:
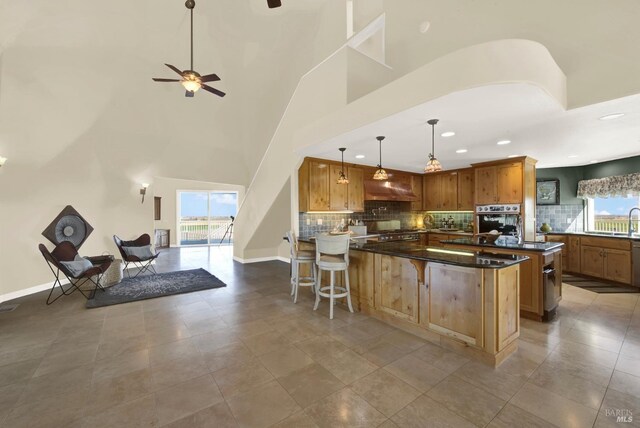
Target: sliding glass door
(206, 218)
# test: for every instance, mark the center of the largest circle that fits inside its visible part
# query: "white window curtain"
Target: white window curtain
(619, 185)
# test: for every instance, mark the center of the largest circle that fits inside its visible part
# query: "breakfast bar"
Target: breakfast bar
(465, 300)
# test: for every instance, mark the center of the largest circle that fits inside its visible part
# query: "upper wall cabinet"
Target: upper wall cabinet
(416, 187)
(319, 191)
(466, 189)
(448, 191)
(501, 184)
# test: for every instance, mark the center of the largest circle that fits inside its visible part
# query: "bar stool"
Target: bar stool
(332, 254)
(297, 258)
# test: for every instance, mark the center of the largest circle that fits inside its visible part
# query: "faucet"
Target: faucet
(631, 230)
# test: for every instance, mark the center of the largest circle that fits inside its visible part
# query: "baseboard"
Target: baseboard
(261, 259)
(37, 289)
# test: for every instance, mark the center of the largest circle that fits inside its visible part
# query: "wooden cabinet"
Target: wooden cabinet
(318, 189)
(440, 191)
(396, 287)
(499, 184)
(606, 258)
(355, 189)
(573, 254)
(416, 187)
(361, 278)
(466, 189)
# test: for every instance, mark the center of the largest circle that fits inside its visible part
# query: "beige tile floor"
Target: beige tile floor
(245, 355)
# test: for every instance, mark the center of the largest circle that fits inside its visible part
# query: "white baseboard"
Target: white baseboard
(38, 288)
(261, 259)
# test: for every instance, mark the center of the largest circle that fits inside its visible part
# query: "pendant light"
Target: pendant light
(434, 164)
(342, 179)
(380, 173)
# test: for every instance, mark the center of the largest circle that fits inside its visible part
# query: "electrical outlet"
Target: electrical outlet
(319, 222)
(308, 222)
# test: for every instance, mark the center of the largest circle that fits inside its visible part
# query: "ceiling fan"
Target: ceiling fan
(192, 80)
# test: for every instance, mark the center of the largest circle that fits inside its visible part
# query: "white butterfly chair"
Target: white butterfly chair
(299, 257)
(332, 254)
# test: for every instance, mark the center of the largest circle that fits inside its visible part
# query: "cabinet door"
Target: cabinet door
(431, 192)
(435, 238)
(592, 261)
(361, 277)
(416, 186)
(449, 191)
(337, 192)
(356, 189)
(486, 185)
(318, 186)
(617, 265)
(466, 184)
(573, 254)
(455, 302)
(565, 248)
(509, 188)
(397, 288)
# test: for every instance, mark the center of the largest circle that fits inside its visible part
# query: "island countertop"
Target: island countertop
(417, 251)
(526, 246)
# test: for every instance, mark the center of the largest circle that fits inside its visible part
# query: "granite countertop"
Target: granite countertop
(526, 246)
(416, 251)
(636, 236)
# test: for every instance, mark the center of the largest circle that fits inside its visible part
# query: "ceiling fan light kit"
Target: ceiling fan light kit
(191, 80)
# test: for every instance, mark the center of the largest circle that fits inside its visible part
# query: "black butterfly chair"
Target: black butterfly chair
(66, 252)
(143, 265)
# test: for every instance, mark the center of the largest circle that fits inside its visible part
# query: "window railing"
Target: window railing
(614, 225)
(203, 231)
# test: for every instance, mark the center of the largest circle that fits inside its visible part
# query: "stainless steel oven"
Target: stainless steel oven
(504, 218)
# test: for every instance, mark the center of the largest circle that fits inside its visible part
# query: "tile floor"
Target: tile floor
(245, 355)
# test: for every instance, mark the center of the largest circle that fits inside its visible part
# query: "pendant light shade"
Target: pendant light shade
(433, 165)
(380, 173)
(342, 178)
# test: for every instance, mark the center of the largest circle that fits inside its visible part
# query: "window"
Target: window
(611, 214)
(206, 218)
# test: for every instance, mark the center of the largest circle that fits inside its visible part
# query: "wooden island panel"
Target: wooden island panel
(396, 287)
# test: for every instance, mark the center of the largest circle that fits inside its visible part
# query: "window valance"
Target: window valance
(619, 185)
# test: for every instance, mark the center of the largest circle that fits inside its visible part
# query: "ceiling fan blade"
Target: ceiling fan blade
(188, 94)
(213, 90)
(274, 3)
(158, 79)
(210, 78)
(174, 69)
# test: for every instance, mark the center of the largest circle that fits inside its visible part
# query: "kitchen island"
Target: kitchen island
(540, 293)
(462, 299)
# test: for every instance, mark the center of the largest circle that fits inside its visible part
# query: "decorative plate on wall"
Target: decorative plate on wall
(70, 226)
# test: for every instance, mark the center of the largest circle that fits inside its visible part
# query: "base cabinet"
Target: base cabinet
(592, 261)
(396, 287)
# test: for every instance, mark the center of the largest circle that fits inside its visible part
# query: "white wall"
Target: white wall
(167, 189)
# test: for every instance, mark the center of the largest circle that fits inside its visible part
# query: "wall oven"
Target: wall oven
(504, 218)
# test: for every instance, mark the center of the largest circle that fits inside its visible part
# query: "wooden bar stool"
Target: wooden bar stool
(297, 258)
(332, 254)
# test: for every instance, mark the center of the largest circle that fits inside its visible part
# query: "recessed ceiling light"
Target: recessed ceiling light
(572, 156)
(448, 134)
(513, 156)
(612, 116)
(424, 26)
(359, 156)
(593, 161)
(503, 142)
(461, 151)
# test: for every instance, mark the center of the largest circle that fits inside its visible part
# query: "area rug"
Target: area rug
(152, 286)
(598, 286)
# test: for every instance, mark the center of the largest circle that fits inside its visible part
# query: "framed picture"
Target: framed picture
(548, 192)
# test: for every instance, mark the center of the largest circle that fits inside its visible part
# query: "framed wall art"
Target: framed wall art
(548, 192)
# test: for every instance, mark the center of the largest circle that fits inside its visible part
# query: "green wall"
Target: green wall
(569, 176)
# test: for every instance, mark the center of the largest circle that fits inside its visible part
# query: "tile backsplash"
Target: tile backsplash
(376, 210)
(561, 218)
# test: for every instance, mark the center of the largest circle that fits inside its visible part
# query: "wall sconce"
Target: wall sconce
(2, 160)
(143, 191)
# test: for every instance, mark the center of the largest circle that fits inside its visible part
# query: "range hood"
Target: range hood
(377, 190)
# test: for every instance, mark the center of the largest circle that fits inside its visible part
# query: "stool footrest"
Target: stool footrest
(326, 292)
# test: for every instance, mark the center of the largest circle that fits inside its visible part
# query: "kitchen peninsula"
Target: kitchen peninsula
(465, 300)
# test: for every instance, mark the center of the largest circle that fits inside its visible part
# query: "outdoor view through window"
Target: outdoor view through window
(205, 217)
(612, 214)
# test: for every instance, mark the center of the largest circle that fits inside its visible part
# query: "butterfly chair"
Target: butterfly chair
(138, 253)
(65, 251)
